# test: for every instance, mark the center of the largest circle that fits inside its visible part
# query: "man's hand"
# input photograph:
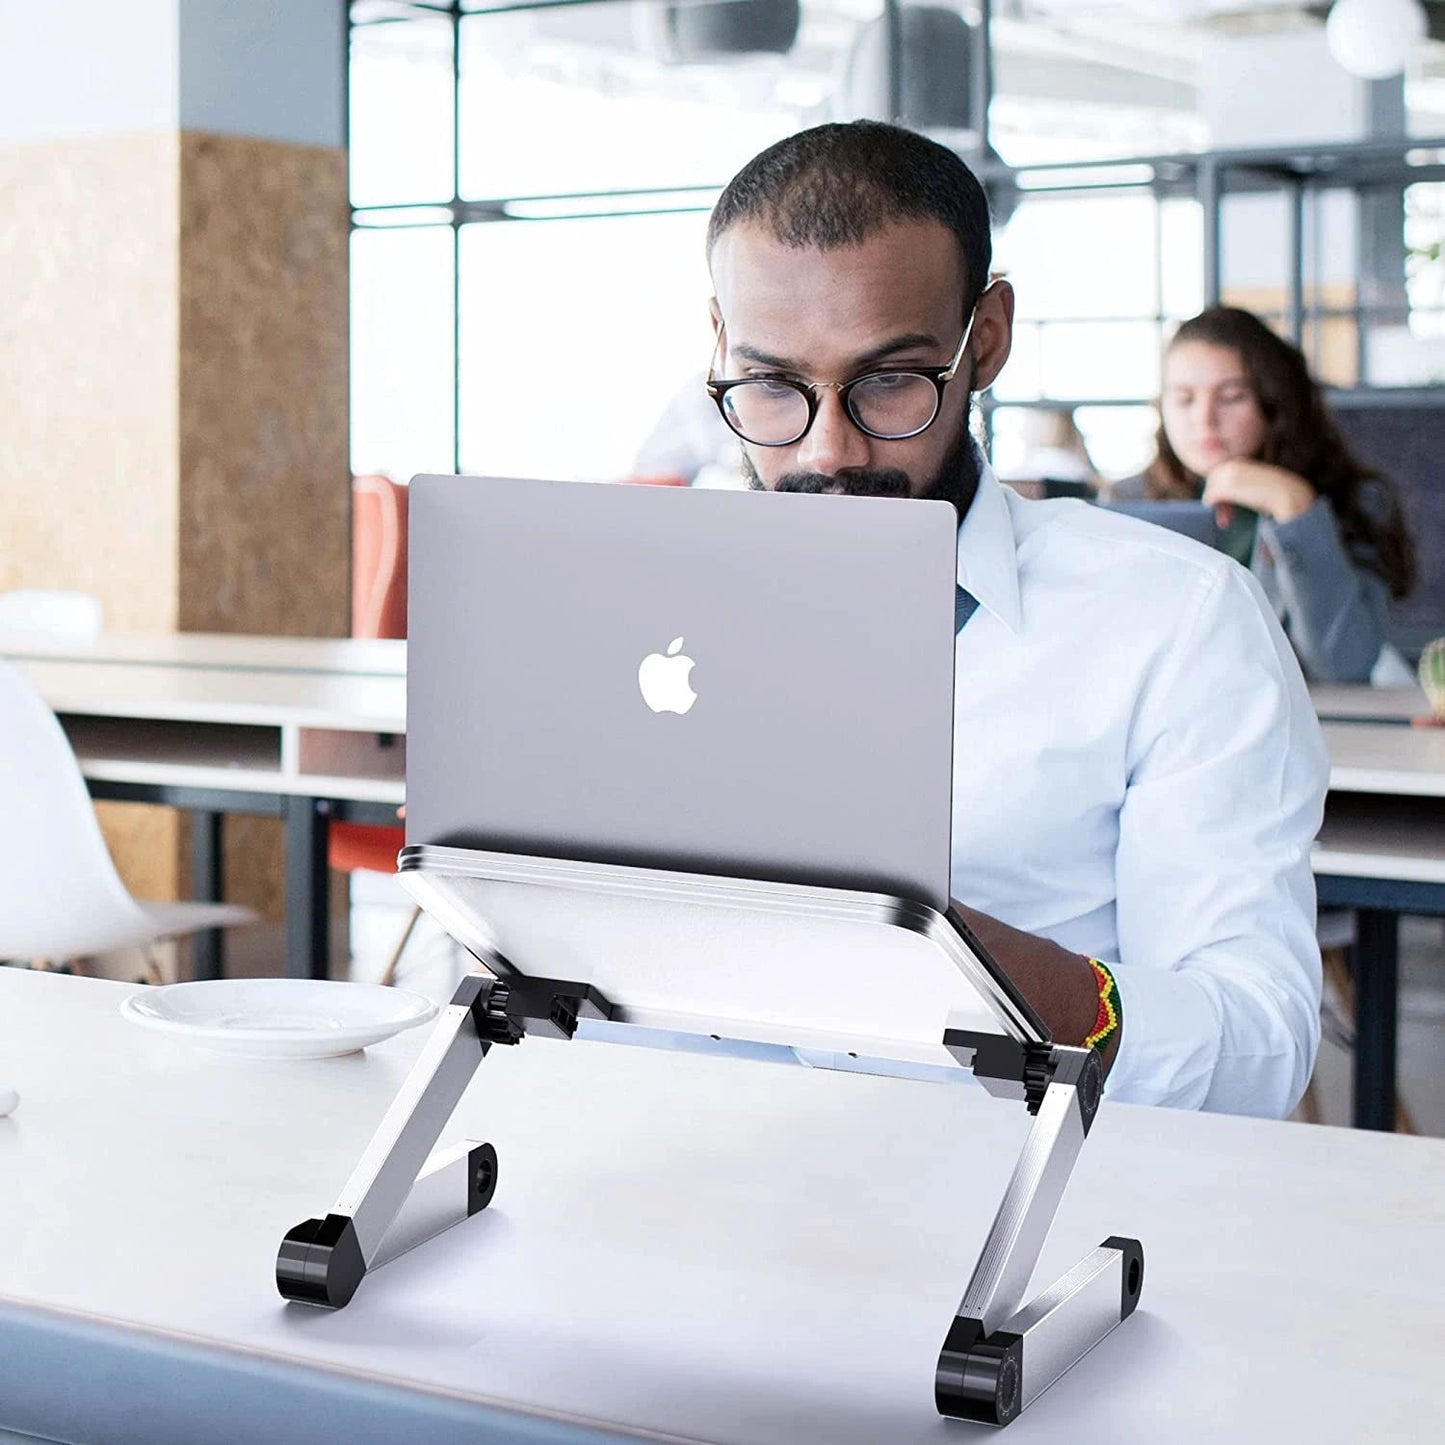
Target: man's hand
(1269, 490)
(1059, 984)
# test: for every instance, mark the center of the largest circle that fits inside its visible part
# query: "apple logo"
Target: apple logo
(664, 682)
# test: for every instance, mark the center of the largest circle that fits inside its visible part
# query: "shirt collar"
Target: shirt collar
(987, 553)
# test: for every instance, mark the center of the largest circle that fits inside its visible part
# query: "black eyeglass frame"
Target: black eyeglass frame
(940, 376)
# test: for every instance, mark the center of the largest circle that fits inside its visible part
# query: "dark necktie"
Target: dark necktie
(965, 604)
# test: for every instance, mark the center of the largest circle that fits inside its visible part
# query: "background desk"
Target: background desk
(707, 1249)
(302, 729)
(215, 651)
(314, 729)
(1382, 853)
(1358, 702)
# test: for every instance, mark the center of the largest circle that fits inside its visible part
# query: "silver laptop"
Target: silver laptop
(738, 684)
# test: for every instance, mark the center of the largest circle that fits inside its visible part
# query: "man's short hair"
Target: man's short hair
(837, 185)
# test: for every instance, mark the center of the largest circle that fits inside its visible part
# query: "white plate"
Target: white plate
(278, 1018)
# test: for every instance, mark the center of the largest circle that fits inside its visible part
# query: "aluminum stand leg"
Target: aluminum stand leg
(398, 1197)
(1002, 1353)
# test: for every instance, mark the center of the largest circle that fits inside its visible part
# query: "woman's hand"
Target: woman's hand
(1272, 491)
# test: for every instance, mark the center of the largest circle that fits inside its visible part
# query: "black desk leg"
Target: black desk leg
(308, 907)
(1377, 989)
(208, 886)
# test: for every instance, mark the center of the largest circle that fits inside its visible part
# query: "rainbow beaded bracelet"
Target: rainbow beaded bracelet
(1111, 1012)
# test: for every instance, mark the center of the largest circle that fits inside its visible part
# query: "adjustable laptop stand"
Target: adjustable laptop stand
(1000, 1352)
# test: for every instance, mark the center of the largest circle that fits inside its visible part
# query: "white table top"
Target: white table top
(359, 686)
(312, 731)
(1333, 701)
(711, 1249)
(1373, 758)
(354, 656)
(349, 701)
(1345, 702)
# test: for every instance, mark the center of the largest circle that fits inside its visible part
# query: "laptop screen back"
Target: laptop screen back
(742, 684)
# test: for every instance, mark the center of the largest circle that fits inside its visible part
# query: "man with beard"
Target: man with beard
(1138, 773)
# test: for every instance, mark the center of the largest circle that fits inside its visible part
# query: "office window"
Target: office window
(575, 334)
(587, 98)
(1101, 280)
(1425, 257)
(1082, 256)
(1119, 439)
(1405, 343)
(550, 163)
(1181, 258)
(402, 378)
(400, 115)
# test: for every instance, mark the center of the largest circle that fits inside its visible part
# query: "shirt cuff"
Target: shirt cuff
(1169, 1039)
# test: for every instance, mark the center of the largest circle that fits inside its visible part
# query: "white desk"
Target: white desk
(300, 697)
(307, 716)
(1359, 702)
(1374, 758)
(704, 1249)
(338, 735)
(304, 729)
(314, 729)
(211, 650)
(1382, 854)
(1395, 838)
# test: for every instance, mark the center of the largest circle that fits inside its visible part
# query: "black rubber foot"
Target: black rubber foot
(1133, 1253)
(979, 1379)
(320, 1262)
(481, 1177)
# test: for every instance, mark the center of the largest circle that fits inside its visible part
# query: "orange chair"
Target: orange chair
(378, 609)
(378, 557)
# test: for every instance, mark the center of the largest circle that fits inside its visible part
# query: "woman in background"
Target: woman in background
(1246, 429)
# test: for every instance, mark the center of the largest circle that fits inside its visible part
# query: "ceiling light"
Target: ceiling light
(1373, 38)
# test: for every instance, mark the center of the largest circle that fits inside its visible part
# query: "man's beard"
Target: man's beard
(955, 481)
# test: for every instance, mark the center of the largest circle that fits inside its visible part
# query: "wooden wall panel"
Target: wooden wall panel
(173, 383)
(265, 490)
(89, 308)
(265, 475)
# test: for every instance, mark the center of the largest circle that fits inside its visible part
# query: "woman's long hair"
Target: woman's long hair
(1303, 438)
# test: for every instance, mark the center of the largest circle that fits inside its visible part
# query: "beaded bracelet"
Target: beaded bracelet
(1111, 1011)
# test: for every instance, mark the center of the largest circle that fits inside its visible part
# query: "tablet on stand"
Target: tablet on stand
(687, 961)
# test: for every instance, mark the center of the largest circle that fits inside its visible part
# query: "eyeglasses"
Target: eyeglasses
(776, 411)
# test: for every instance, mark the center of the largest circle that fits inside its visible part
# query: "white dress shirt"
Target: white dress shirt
(1138, 775)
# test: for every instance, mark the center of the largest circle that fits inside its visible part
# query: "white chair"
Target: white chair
(77, 614)
(60, 896)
